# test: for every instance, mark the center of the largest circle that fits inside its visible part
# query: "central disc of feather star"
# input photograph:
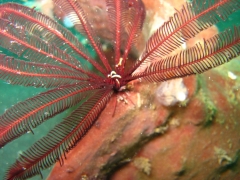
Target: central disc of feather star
(114, 80)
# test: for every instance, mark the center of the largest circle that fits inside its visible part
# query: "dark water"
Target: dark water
(10, 95)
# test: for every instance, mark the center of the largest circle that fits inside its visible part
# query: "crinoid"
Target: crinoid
(48, 56)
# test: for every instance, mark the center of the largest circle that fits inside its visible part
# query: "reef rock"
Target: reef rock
(195, 139)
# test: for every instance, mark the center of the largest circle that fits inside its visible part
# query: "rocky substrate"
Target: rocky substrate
(196, 138)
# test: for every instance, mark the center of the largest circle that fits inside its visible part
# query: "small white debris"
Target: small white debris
(143, 164)
(184, 45)
(231, 75)
(181, 96)
(222, 155)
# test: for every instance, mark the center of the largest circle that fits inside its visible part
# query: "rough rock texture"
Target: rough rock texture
(195, 139)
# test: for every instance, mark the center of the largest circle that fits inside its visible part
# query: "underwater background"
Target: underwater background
(11, 94)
